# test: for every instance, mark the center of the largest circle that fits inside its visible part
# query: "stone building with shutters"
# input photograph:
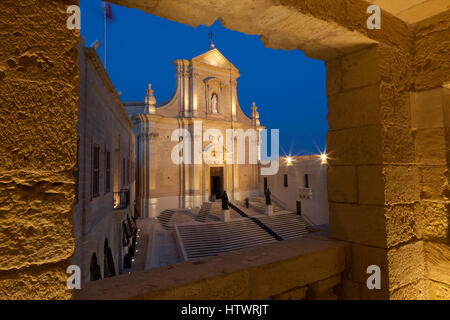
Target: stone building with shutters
(204, 106)
(104, 174)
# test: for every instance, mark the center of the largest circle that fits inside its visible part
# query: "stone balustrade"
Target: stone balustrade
(307, 267)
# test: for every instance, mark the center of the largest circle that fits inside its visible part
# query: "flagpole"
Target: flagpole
(104, 11)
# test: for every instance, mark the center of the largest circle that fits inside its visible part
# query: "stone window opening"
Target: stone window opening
(95, 271)
(107, 172)
(96, 171)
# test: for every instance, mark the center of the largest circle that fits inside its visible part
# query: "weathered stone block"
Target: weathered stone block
(431, 146)
(355, 108)
(401, 184)
(433, 182)
(438, 290)
(334, 77)
(433, 220)
(356, 146)
(342, 184)
(398, 144)
(437, 261)
(323, 289)
(395, 105)
(406, 265)
(402, 223)
(432, 48)
(371, 185)
(360, 257)
(294, 294)
(45, 283)
(427, 109)
(358, 223)
(360, 69)
(413, 291)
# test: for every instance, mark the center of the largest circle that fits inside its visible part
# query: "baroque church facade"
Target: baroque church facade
(204, 106)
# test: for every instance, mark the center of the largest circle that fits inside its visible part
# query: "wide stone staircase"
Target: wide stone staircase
(209, 236)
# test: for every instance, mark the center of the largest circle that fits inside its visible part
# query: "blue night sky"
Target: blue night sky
(288, 87)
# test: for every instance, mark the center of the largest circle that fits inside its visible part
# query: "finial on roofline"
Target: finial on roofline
(211, 42)
(150, 100)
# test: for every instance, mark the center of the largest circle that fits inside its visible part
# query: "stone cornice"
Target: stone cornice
(95, 60)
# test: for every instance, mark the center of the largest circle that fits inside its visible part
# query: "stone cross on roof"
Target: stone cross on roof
(211, 43)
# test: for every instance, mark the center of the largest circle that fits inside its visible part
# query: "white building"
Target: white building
(301, 186)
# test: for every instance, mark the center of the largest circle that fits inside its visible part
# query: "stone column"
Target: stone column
(39, 103)
(372, 178)
(430, 114)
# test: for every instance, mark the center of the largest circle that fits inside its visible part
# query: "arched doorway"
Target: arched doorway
(95, 271)
(109, 269)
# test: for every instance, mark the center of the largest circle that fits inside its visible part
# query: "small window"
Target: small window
(96, 171)
(107, 172)
(285, 180)
(306, 181)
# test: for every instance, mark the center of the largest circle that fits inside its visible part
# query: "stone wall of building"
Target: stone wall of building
(102, 122)
(312, 195)
(430, 116)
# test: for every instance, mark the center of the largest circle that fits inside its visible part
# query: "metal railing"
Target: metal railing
(121, 199)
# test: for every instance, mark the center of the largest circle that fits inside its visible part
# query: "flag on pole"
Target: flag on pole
(108, 11)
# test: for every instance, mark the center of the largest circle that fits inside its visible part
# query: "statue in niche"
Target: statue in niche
(214, 101)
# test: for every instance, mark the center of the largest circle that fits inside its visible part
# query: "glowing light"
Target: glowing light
(289, 160)
(323, 158)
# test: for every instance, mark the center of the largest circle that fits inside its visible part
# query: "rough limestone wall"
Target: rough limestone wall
(38, 109)
(372, 176)
(431, 121)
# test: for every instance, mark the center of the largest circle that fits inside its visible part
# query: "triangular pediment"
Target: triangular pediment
(215, 58)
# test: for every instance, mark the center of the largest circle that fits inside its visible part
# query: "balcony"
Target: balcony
(121, 199)
(305, 193)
